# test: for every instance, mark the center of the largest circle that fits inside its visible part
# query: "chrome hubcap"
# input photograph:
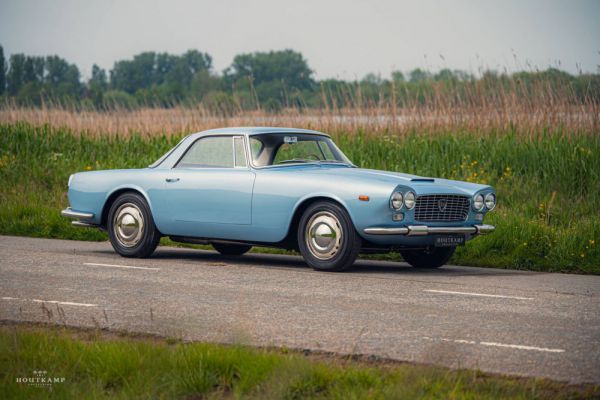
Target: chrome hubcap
(323, 235)
(128, 225)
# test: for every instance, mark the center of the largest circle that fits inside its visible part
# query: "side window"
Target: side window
(209, 152)
(240, 154)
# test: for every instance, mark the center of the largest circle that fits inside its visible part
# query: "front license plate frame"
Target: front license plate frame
(449, 241)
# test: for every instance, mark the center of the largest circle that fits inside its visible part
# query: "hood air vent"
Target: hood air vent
(422, 180)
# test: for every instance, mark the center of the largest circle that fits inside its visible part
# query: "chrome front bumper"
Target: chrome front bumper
(423, 230)
(69, 213)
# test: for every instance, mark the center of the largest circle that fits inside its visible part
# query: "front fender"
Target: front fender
(315, 197)
(117, 191)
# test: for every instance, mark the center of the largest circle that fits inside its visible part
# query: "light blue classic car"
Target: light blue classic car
(236, 188)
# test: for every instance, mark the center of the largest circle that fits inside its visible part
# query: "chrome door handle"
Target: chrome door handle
(172, 179)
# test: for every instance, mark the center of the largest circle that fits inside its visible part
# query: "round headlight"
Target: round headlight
(490, 201)
(396, 201)
(478, 202)
(409, 200)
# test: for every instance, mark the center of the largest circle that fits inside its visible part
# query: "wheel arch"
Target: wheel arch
(110, 199)
(301, 206)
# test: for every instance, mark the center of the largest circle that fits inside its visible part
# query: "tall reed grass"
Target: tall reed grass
(527, 104)
(569, 120)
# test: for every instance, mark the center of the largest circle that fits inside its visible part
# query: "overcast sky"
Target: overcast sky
(339, 38)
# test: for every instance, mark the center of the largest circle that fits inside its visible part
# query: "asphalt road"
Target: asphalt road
(501, 321)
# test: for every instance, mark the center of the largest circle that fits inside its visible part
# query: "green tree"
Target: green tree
(418, 75)
(159, 78)
(131, 75)
(99, 77)
(16, 73)
(203, 83)
(59, 71)
(2, 72)
(445, 75)
(97, 85)
(62, 80)
(286, 66)
(116, 99)
(398, 76)
(34, 69)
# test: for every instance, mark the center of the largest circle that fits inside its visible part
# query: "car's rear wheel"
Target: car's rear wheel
(228, 249)
(131, 227)
(430, 258)
(327, 238)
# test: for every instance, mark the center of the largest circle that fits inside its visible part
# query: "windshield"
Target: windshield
(280, 149)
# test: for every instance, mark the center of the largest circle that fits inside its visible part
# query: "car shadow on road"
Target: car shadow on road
(294, 262)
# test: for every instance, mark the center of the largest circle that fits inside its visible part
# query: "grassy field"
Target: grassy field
(548, 184)
(97, 364)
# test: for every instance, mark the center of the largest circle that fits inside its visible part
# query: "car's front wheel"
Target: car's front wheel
(131, 227)
(231, 249)
(327, 238)
(430, 258)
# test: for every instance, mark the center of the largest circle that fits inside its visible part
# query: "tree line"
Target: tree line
(268, 81)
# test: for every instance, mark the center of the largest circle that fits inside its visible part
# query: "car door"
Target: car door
(209, 191)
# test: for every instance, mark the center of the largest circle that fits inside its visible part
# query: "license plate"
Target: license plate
(449, 241)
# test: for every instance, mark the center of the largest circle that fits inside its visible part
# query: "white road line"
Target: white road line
(499, 296)
(521, 347)
(64, 303)
(121, 266)
(494, 344)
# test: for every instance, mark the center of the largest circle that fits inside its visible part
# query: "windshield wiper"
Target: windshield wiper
(306, 161)
(334, 162)
(295, 160)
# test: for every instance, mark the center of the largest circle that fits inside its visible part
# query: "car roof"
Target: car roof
(255, 130)
(176, 152)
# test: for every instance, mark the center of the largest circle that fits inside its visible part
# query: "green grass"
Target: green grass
(97, 364)
(548, 184)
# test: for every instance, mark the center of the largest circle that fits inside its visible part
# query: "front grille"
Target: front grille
(431, 208)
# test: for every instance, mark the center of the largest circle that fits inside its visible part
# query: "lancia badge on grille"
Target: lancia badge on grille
(442, 204)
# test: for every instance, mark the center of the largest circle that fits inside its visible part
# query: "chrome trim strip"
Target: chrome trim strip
(81, 224)
(424, 230)
(69, 213)
(433, 230)
(485, 229)
(386, 231)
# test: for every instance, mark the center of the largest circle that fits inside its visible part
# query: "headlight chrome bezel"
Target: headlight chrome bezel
(490, 197)
(410, 200)
(476, 200)
(396, 197)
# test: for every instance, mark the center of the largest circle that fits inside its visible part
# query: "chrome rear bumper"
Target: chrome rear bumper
(69, 213)
(423, 230)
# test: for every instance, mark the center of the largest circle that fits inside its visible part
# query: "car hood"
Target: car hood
(421, 185)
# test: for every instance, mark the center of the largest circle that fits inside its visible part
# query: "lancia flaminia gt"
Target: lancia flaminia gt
(236, 188)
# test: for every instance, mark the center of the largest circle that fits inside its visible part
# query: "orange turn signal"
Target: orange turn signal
(362, 197)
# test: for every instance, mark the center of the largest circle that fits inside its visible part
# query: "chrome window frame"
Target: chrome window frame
(232, 137)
